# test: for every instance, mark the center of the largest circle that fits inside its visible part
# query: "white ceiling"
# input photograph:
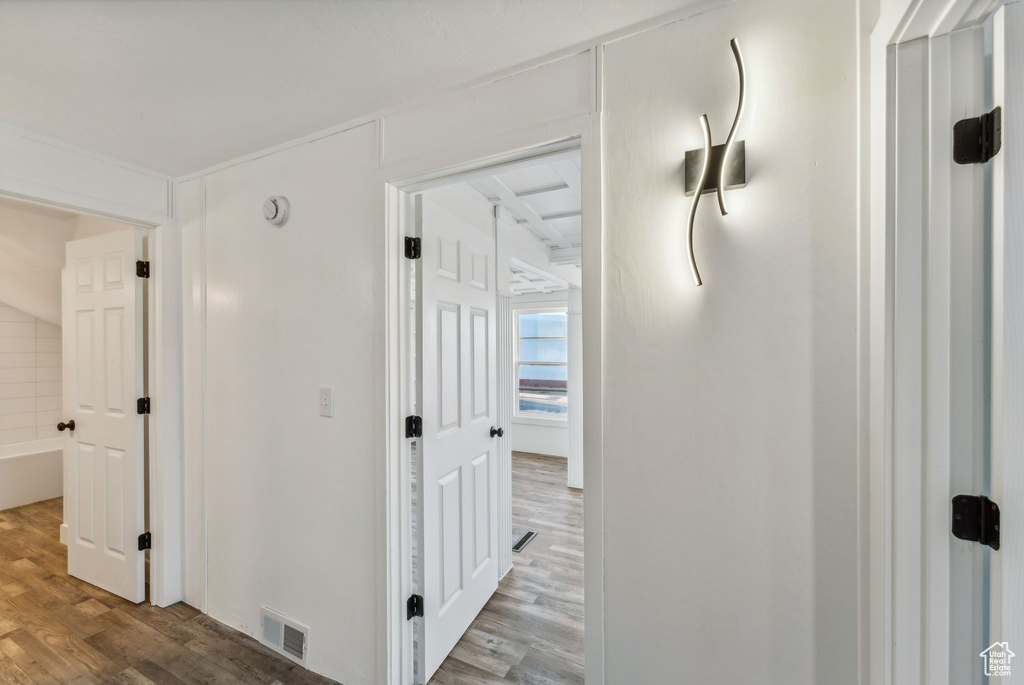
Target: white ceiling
(545, 199)
(180, 86)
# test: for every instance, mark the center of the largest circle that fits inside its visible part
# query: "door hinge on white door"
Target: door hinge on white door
(413, 607)
(978, 139)
(413, 427)
(142, 269)
(143, 405)
(976, 519)
(412, 247)
(145, 541)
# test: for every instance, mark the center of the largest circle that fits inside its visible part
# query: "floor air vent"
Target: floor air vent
(285, 636)
(524, 541)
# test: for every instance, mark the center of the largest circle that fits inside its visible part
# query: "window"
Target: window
(542, 366)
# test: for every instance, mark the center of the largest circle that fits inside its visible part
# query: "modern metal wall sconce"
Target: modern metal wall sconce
(715, 168)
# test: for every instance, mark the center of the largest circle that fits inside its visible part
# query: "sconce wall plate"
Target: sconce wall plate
(735, 175)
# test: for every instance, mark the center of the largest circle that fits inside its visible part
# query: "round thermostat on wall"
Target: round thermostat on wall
(275, 210)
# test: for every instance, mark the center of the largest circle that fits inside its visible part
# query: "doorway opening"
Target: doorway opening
(495, 349)
(74, 355)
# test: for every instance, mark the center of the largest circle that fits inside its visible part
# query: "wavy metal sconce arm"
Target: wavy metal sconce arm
(706, 128)
(732, 132)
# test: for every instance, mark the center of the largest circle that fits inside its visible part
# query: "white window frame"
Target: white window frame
(538, 418)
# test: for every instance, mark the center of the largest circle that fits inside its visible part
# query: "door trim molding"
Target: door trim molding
(506, 388)
(576, 395)
(582, 131)
(1007, 325)
(892, 26)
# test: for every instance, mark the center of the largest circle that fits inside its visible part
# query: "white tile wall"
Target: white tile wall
(30, 377)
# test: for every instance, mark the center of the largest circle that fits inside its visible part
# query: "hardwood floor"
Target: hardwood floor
(531, 630)
(58, 629)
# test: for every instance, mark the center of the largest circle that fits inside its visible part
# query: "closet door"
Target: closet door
(103, 378)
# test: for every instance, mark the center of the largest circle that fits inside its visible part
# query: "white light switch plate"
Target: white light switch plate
(326, 402)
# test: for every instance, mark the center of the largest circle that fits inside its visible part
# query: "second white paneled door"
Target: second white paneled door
(459, 473)
(103, 378)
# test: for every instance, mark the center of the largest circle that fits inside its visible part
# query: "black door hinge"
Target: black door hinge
(413, 427)
(977, 140)
(142, 269)
(412, 248)
(145, 541)
(976, 519)
(143, 405)
(413, 607)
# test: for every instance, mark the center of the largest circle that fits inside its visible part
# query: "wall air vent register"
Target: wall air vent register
(284, 636)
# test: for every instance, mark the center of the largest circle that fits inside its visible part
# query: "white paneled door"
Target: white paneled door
(103, 378)
(459, 473)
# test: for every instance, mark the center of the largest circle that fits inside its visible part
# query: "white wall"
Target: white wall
(30, 377)
(552, 440)
(191, 212)
(33, 166)
(31, 257)
(87, 226)
(730, 409)
(291, 495)
(730, 463)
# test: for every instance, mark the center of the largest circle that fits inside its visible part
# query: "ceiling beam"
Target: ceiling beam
(530, 270)
(498, 189)
(567, 255)
(542, 191)
(564, 215)
(566, 168)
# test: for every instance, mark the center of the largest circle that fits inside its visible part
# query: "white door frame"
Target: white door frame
(582, 131)
(1008, 322)
(162, 441)
(904, 540)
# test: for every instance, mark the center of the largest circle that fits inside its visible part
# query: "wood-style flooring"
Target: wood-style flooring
(531, 630)
(58, 629)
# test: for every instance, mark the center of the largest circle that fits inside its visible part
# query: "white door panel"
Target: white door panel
(103, 377)
(460, 570)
